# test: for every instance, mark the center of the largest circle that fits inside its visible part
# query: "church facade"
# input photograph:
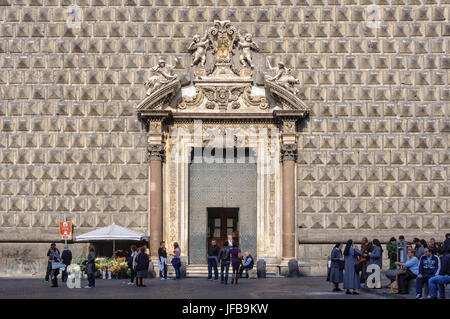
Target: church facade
(283, 125)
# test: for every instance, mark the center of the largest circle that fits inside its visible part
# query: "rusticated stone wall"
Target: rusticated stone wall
(374, 154)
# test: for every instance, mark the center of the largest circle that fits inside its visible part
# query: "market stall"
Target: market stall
(112, 232)
(112, 266)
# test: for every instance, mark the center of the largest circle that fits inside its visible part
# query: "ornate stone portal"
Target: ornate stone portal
(222, 103)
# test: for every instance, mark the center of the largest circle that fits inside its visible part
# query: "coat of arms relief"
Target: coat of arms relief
(222, 69)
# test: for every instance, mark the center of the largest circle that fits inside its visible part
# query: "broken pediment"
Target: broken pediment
(222, 84)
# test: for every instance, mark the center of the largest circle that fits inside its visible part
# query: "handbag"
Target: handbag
(341, 265)
(359, 267)
(176, 261)
(401, 271)
(58, 265)
(394, 287)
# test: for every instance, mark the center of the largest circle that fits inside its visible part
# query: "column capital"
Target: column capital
(288, 152)
(156, 152)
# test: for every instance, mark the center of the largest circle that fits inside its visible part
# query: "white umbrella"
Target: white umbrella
(112, 232)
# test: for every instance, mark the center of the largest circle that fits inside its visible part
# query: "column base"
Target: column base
(283, 268)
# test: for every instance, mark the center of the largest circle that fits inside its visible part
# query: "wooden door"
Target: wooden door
(222, 222)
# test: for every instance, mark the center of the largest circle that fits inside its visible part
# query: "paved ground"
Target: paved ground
(192, 288)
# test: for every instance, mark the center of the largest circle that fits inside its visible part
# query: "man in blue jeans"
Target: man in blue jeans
(213, 259)
(443, 278)
(224, 257)
(429, 266)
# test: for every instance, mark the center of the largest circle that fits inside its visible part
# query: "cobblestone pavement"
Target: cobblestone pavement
(305, 287)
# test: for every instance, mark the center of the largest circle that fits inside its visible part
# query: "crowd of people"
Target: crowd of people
(229, 254)
(138, 262)
(427, 262)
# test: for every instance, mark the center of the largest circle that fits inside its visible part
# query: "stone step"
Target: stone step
(196, 271)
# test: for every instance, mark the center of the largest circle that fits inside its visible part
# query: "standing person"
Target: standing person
(433, 246)
(391, 247)
(90, 268)
(411, 270)
(130, 264)
(230, 241)
(376, 256)
(337, 267)
(402, 250)
(420, 250)
(53, 258)
(49, 265)
(429, 266)
(213, 259)
(66, 259)
(247, 265)
(351, 277)
(176, 262)
(162, 260)
(366, 248)
(442, 278)
(142, 263)
(224, 258)
(236, 258)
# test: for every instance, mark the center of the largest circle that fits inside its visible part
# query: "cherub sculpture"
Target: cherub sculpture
(162, 74)
(284, 77)
(246, 44)
(198, 48)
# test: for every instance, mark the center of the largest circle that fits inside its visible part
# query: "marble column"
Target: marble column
(288, 157)
(156, 156)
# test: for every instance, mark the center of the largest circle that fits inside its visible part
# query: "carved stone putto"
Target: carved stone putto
(162, 74)
(156, 152)
(222, 86)
(284, 78)
(288, 152)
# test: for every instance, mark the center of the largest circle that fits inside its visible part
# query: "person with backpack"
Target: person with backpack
(66, 259)
(130, 264)
(224, 258)
(247, 265)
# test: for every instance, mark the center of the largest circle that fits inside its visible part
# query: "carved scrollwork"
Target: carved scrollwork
(192, 101)
(256, 101)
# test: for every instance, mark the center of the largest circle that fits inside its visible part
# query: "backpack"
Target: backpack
(394, 287)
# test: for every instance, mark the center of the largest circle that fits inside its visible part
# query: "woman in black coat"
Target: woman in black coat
(142, 263)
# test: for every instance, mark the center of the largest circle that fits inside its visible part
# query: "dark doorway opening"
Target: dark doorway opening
(222, 225)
